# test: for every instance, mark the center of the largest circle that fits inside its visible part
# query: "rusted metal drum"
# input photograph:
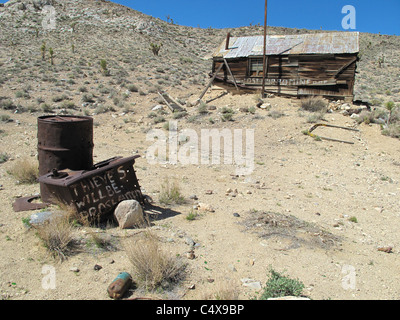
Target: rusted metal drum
(64, 142)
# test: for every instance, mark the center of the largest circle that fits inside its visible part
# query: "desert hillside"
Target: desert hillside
(319, 211)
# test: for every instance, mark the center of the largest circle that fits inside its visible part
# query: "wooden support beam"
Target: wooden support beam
(210, 83)
(230, 72)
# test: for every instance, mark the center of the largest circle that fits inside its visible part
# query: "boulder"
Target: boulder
(129, 214)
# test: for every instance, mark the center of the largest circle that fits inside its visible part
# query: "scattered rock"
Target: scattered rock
(157, 107)
(385, 249)
(206, 207)
(237, 215)
(74, 269)
(232, 268)
(250, 283)
(354, 116)
(40, 217)
(209, 192)
(129, 213)
(190, 255)
(190, 241)
(97, 267)
(345, 106)
(265, 106)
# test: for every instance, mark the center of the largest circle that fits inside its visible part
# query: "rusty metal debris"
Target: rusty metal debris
(64, 142)
(309, 132)
(96, 192)
(26, 204)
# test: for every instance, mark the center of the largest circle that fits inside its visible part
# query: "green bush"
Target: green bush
(279, 285)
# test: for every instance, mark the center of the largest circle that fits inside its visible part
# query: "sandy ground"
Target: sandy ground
(321, 183)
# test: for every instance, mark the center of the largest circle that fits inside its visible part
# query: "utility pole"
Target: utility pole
(265, 50)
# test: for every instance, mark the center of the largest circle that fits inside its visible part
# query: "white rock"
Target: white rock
(265, 106)
(250, 283)
(157, 107)
(129, 213)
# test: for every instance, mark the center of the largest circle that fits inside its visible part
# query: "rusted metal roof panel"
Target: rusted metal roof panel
(319, 43)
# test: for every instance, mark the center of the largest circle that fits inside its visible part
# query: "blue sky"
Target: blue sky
(371, 15)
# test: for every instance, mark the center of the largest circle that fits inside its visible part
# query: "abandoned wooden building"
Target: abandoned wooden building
(321, 64)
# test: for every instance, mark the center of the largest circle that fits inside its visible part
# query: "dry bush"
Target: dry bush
(153, 267)
(314, 104)
(171, 193)
(224, 290)
(57, 233)
(392, 130)
(25, 171)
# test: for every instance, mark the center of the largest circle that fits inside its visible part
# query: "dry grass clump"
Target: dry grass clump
(57, 233)
(224, 290)
(171, 193)
(388, 118)
(154, 268)
(25, 171)
(314, 104)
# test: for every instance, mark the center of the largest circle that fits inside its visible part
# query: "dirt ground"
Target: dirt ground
(317, 186)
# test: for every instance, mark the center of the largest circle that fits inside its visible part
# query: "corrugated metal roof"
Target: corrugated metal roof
(318, 43)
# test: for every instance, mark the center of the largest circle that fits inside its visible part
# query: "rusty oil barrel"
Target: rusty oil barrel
(64, 142)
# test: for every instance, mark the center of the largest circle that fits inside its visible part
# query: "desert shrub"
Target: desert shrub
(153, 267)
(4, 157)
(315, 117)
(314, 104)
(227, 114)
(275, 114)
(159, 119)
(46, 108)
(202, 108)
(7, 104)
(104, 109)
(26, 171)
(392, 130)
(57, 233)
(68, 105)
(171, 193)
(179, 115)
(133, 88)
(22, 94)
(279, 285)
(87, 97)
(224, 290)
(60, 98)
(5, 118)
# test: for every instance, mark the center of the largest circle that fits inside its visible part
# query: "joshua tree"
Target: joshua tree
(103, 65)
(155, 48)
(43, 50)
(51, 52)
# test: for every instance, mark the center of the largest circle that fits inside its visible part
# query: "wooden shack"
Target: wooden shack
(321, 64)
